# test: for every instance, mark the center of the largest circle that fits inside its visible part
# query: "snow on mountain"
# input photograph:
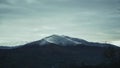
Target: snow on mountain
(117, 43)
(62, 40)
(77, 40)
(68, 41)
(59, 40)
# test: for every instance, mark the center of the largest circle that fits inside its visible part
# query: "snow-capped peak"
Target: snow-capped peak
(67, 41)
(59, 40)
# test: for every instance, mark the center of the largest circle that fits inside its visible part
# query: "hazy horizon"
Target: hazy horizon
(23, 21)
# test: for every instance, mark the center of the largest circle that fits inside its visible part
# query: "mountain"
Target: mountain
(59, 51)
(62, 40)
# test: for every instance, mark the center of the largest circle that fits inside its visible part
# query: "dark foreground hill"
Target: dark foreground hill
(60, 52)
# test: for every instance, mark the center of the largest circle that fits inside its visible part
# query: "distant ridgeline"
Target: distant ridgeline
(60, 52)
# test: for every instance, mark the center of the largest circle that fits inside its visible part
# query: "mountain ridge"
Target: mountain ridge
(63, 40)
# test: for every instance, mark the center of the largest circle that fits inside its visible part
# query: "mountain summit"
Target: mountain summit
(60, 40)
(63, 40)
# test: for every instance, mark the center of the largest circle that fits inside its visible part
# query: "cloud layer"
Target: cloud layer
(27, 20)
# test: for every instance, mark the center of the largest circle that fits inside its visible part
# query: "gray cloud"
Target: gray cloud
(3, 1)
(94, 20)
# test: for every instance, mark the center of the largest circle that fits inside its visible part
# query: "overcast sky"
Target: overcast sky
(28, 20)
